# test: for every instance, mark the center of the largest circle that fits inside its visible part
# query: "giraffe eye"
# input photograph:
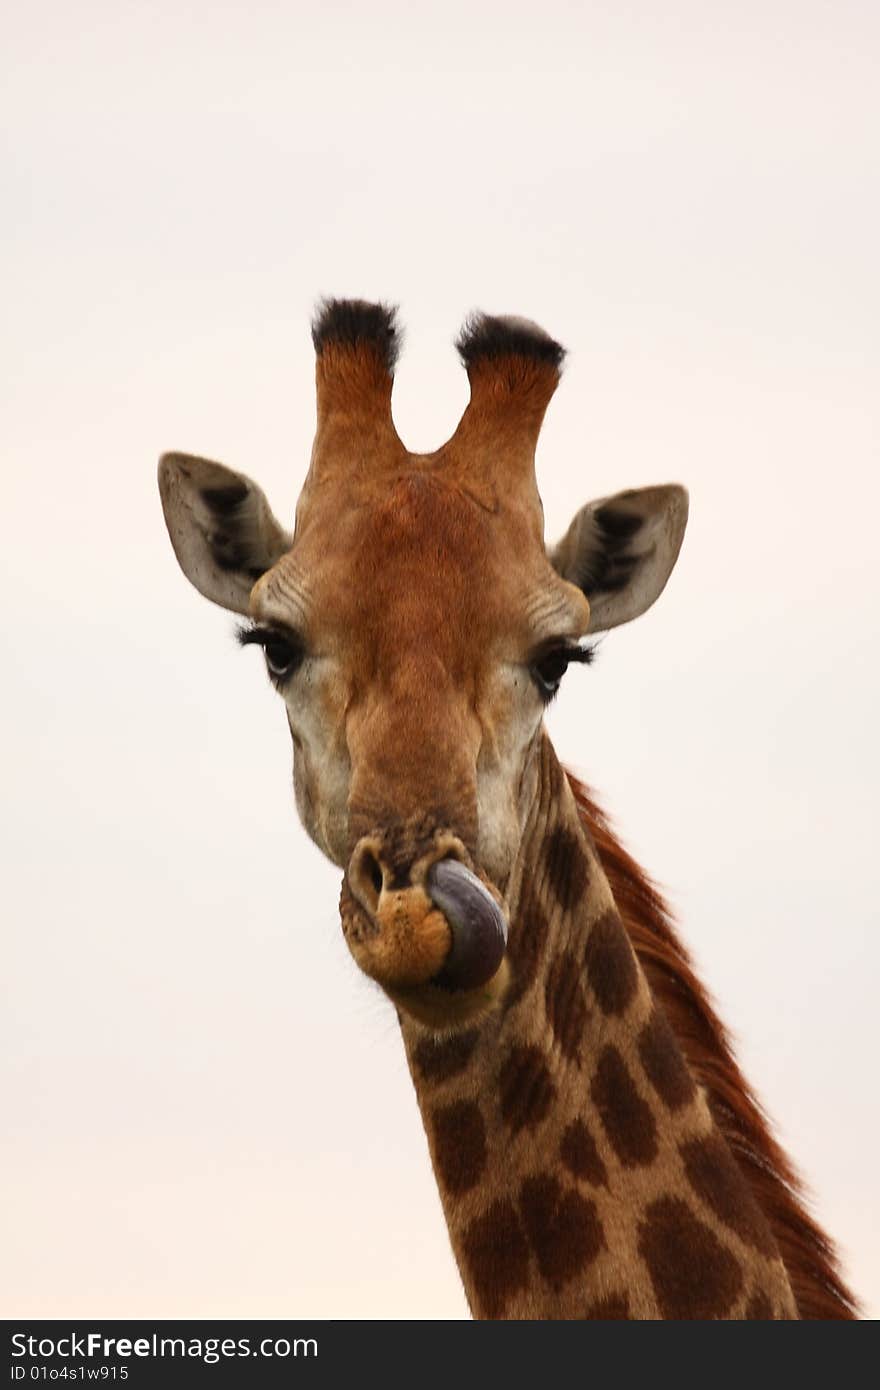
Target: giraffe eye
(281, 657)
(550, 666)
(283, 653)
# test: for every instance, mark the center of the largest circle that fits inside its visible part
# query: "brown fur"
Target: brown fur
(809, 1255)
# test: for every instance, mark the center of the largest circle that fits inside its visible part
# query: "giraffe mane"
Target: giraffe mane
(809, 1255)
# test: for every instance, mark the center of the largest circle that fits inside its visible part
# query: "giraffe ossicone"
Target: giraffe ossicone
(597, 1151)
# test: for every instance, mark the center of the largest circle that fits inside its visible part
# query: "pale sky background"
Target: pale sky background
(206, 1108)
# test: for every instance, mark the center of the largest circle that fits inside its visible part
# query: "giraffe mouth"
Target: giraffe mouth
(437, 947)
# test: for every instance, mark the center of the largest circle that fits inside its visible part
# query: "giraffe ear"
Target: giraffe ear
(221, 526)
(621, 550)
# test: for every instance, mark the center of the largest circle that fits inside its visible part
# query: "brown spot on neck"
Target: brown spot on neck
(567, 868)
(715, 1177)
(528, 940)
(439, 1059)
(626, 1118)
(581, 1157)
(611, 966)
(563, 1228)
(663, 1063)
(459, 1145)
(527, 1090)
(565, 1004)
(496, 1256)
(692, 1273)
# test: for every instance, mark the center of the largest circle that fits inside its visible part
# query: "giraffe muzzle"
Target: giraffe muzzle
(431, 932)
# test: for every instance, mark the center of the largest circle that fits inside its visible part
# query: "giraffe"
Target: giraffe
(597, 1152)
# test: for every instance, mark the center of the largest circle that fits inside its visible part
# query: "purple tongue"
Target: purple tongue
(479, 930)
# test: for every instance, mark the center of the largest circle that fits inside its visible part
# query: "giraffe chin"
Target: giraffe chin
(446, 1011)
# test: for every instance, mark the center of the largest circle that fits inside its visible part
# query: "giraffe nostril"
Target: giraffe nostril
(373, 871)
(366, 877)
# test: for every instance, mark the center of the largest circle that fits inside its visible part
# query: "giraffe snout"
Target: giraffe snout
(431, 922)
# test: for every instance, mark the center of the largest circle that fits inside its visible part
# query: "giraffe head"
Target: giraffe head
(415, 626)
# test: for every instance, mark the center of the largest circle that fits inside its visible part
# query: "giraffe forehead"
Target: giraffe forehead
(424, 559)
(426, 520)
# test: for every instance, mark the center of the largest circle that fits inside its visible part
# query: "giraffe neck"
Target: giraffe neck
(579, 1168)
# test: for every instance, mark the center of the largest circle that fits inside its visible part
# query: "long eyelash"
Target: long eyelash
(574, 650)
(255, 635)
(585, 656)
(245, 635)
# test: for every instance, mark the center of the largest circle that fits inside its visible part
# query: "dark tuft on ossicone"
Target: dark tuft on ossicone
(484, 337)
(352, 322)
